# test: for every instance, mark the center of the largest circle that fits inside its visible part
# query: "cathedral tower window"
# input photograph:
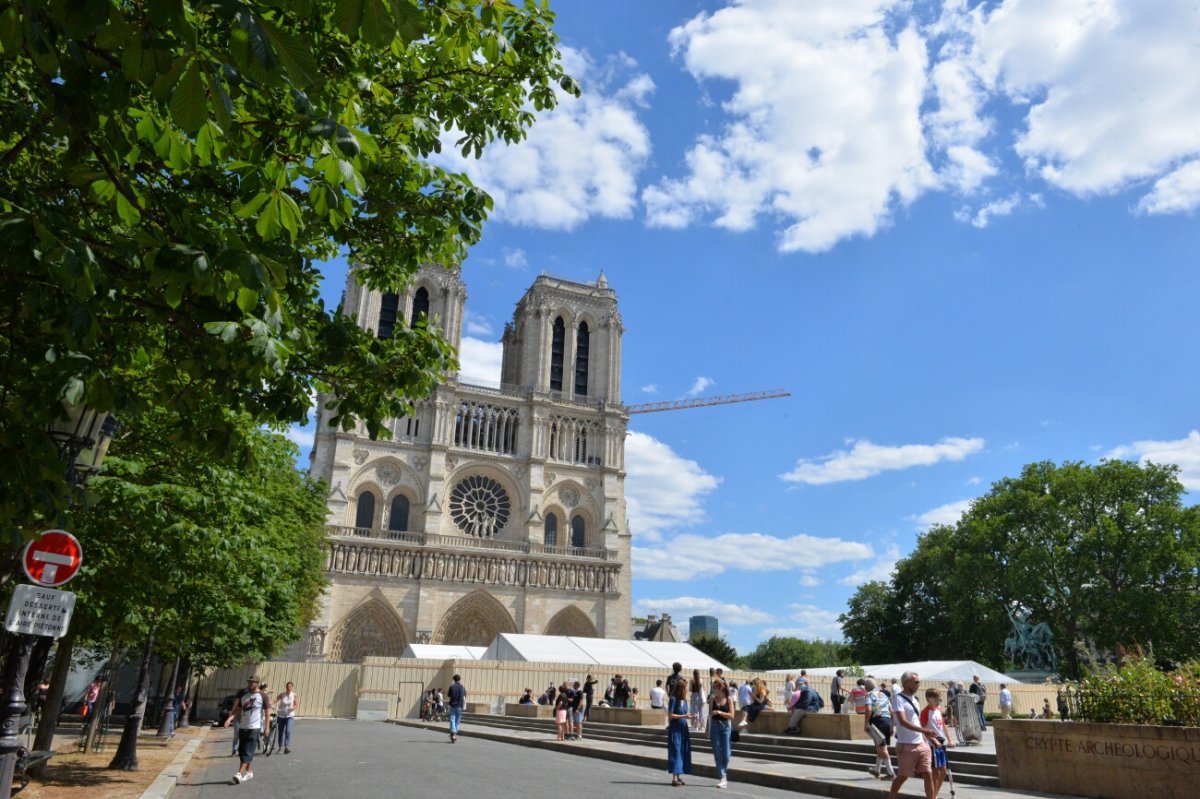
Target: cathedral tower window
(581, 360)
(557, 343)
(387, 314)
(364, 516)
(399, 516)
(420, 306)
(551, 535)
(578, 532)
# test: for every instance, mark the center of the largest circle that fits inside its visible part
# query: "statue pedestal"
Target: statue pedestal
(1031, 676)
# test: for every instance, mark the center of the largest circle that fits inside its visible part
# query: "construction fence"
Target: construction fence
(333, 690)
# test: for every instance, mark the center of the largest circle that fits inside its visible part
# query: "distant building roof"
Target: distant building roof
(658, 630)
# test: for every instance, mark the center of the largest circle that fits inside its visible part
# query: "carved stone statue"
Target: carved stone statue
(1031, 646)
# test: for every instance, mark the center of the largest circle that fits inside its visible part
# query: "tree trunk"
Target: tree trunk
(44, 740)
(126, 756)
(105, 701)
(184, 720)
(168, 704)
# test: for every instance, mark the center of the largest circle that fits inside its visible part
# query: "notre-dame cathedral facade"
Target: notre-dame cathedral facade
(492, 508)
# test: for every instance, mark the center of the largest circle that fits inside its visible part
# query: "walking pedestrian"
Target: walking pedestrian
(699, 701)
(252, 711)
(912, 750)
(288, 705)
(720, 730)
(177, 699)
(589, 689)
(837, 691)
(1006, 698)
(877, 720)
(560, 715)
(679, 739)
(576, 711)
(932, 720)
(458, 700)
(979, 691)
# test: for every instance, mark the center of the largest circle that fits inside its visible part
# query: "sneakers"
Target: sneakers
(237, 778)
(874, 771)
(287, 750)
(249, 775)
(743, 724)
(724, 783)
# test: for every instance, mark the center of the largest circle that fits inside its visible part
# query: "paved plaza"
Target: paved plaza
(361, 760)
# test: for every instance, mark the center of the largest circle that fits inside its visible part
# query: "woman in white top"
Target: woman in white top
(287, 705)
(699, 701)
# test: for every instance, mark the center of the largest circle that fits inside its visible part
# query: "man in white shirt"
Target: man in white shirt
(253, 711)
(913, 753)
(745, 694)
(658, 696)
(1005, 702)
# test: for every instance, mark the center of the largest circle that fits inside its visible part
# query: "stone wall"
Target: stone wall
(1106, 761)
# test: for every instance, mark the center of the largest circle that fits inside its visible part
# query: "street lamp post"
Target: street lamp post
(82, 435)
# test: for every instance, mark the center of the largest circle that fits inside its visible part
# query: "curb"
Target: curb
(814, 787)
(170, 775)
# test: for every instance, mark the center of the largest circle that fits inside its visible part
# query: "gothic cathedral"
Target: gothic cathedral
(493, 508)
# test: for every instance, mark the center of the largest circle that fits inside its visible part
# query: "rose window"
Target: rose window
(479, 506)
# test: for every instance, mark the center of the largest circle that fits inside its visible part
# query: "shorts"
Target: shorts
(247, 744)
(914, 759)
(578, 714)
(881, 730)
(560, 716)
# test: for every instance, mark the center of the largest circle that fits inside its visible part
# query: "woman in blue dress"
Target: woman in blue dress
(679, 740)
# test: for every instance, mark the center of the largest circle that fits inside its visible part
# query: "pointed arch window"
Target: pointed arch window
(578, 532)
(398, 519)
(387, 315)
(557, 343)
(551, 534)
(420, 306)
(364, 516)
(581, 360)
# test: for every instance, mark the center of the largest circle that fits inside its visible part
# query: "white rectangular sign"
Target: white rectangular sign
(39, 611)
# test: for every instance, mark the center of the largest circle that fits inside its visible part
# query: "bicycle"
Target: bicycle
(274, 740)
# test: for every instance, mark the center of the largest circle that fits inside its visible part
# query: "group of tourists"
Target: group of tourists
(251, 719)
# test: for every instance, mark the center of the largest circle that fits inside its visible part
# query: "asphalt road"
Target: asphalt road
(364, 760)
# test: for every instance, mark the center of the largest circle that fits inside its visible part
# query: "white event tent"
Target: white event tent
(595, 651)
(443, 651)
(930, 671)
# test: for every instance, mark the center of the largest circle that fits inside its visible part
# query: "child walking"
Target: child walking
(932, 720)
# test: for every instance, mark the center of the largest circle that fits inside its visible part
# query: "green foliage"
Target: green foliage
(1104, 554)
(172, 173)
(222, 562)
(1140, 693)
(718, 649)
(782, 652)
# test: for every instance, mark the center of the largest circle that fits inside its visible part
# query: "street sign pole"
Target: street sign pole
(51, 560)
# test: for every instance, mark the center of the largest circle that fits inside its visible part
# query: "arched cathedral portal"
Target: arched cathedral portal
(474, 620)
(370, 630)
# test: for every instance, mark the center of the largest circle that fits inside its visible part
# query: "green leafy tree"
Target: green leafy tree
(1105, 555)
(785, 652)
(172, 173)
(717, 648)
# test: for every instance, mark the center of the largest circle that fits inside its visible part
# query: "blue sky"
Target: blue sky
(963, 236)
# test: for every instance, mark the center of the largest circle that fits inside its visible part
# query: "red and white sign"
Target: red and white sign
(52, 559)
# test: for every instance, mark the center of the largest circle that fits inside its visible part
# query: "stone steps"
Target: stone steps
(970, 768)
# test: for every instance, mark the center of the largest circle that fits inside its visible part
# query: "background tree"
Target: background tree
(220, 563)
(784, 652)
(718, 649)
(171, 175)
(1105, 555)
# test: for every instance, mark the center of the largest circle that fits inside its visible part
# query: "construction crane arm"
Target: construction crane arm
(700, 402)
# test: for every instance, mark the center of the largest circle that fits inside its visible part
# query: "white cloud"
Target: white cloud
(477, 325)
(688, 555)
(866, 459)
(701, 385)
(989, 211)
(480, 360)
(682, 608)
(515, 258)
(303, 436)
(1183, 452)
(650, 389)
(579, 160)
(1111, 88)
(823, 130)
(809, 581)
(947, 514)
(880, 569)
(663, 490)
(814, 622)
(1178, 192)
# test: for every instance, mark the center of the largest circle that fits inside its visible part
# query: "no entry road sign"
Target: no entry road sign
(53, 558)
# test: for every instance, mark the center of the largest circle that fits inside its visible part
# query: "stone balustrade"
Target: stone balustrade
(405, 560)
(517, 710)
(828, 726)
(633, 716)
